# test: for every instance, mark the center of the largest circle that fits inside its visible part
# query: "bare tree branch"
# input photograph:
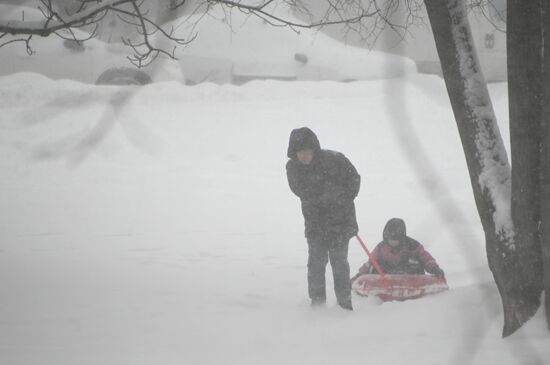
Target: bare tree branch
(19, 40)
(145, 52)
(259, 10)
(48, 26)
(366, 18)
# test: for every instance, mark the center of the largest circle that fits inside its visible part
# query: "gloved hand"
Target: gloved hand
(438, 273)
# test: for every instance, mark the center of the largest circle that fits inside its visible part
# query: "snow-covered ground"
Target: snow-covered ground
(154, 225)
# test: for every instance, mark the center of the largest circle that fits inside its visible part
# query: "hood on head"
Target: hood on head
(301, 139)
(395, 229)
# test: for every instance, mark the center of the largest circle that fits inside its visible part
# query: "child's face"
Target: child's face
(305, 156)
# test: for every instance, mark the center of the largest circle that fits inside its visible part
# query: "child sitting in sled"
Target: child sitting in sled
(400, 254)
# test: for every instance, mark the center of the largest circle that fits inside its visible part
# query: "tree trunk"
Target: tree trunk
(485, 153)
(525, 60)
(545, 163)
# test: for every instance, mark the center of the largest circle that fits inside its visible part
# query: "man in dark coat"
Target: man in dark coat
(401, 254)
(326, 183)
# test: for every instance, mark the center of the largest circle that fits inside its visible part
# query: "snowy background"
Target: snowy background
(154, 225)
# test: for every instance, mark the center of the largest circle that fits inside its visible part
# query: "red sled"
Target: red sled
(390, 287)
(398, 287)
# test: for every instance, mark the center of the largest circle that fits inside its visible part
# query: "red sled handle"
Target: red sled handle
(371, 257)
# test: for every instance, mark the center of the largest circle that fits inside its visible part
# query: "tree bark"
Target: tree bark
(545, 163)
(525, 95)
(485, 154)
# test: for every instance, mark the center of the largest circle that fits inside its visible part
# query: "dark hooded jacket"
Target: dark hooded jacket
(409, 257)
(326, 187)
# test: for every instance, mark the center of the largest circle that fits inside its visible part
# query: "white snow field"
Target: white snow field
(154, 225)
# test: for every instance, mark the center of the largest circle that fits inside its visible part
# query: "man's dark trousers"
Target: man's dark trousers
(323, 248)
